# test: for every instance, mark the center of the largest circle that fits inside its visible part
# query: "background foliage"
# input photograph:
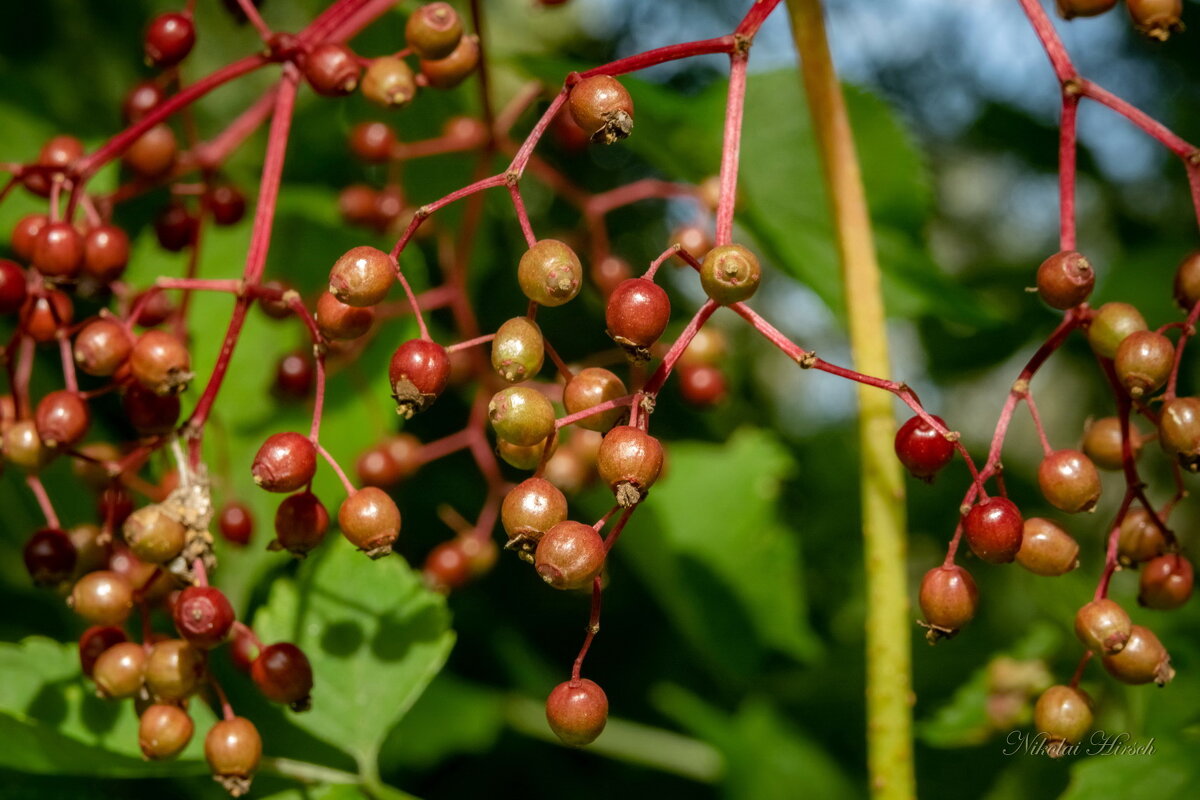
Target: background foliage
(732, 646)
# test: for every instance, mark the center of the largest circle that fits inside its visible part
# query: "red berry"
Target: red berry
(274, 303)
(105, 252)
(118, 670)
(94, 641)
(948, 600)
(1187, 281)
(1064, 714)
(1143, 362)
(150, 308)
(695, 239)
(993, 529)
(332, 69)
(57, 154)
(175, 227)
(373, 143)
(49, 557)
(589, 388)
(1140, 538)
(630, 461)
(370, 520)
(58, 250)
(356, 203)
(294, 375)
(702, 386)
(141, 100)
(1103, 626)
(47, 315)
(448, 72)
(62, 419)
(300, 524)
(577, 711)
(1166, 582)
(921, 449)
(151, 156)
(602, 107)
(243, 648)
(550, 273)
(164, 731)
(447, 567)
(531, 508)
(169, 39)
(227, 204)
(1102, 443)
(637, 313)
(149, 413)
(570, 555)
(419, 372)
(1069, 481)
(13, 288)
(1064, 280)
(1156, 18)
(282, 673)
(203, 616)
(236, 523)
(160, 362)
(362, 276)
(433, 30)
(284, 463)
(233, 749)
(25, 234)
(1143, 659)
(730, 274)
(174, 670)
(1047, 549)
(103, 598)
(337, 320)
(1179, 430)
(609, 272)
(1069, 9)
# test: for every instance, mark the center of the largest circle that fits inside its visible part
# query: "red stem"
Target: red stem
(732, 145)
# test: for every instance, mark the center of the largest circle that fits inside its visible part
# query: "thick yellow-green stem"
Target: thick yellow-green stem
(889, 668)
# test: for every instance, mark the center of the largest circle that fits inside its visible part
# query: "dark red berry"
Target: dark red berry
(362, 276)
(1143, 362)
(702, 386)
(630, 461)
(169, 39)
(1047, 549)
(447, 567)
(105, 252)
(337, 320)
(372, 142)
(141, 100)
(150, 413)
(25, 234)
(577, 711)
(1143, 659)
(233, 749)
(114, 506)
(589, 388)
(637, 313)
(1064, 715)
(332, 69)
(150, 308)
(602, 107)
(1064, 280)
(1103, 626)
(57, 154)
(58, 250)
(47, 315)
(243, 648)
(570, 555)
(370, 520)
(175, 227)
(13, 288)
(419, 372)
(730, 274)
(294, 375)
(922, 449)
(94, 641)
(1069, 481)
(550, 273)
(448, 72)
(62, 419)
(282, 673)
(433, 30)
(203, 616)
(993, 529)
(160, 362)
(273, 302)
(236, 523)
(284, 463)
(1166, 582)
(356, 203)
(164, 731)
(49, 557)
(389, 82)
(227, 204)
(948, 599)
(300, 524)
(103, 598)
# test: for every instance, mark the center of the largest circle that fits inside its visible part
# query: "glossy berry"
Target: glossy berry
(1069, 9)
(284, 463)
(448, 72)
(1166, 582)
(236, 523)
(1064, 280)
(174, 669)
(948, 599)
(160, 362)
(531, 508)
(1064, 715)
(372, 142)
(356, 204)
(630, 461)
(49, 557)
(47, 315)
(105, 252)
(294, 376)
(1069, 481)
(1187, 281)
(609, 272)
(227, 204)
(570, 555)
(1142, 660)
(518, 350)
(1140, 538)
(1047, 549)
(25, 233)
(169, 39)
(1156, 19)
(23, 446)
(637, 313)
(94, 641)
(150, 308)
(466, 132)
(695, 239)
(1143, 362)
(233, 749)
(730, 274)
(1111, 324)
(118, 670)
(152, 155)
(521, 415)
(243, 648)
(175, 227)
(526, 457)
(164, 731)
(336, 320)
(577, 712)
(332, 69)
(149, 413)
(114, 506)
(301, 522)
(1102, 443)
(993, 529)
(433, 30)
(362, 276)
(1179, 430)
(62, 419)
(274, 302)
(589, 388)
(550, 273)
(58, 250)
(103, 598)
(56, 154)
(203, 616)
(141, 100)
(395, 460)
(418, 372)
(1103, 626)
(282, 673)
(13, 288)
(154, 535)
(921, 449)
(447, 567)
(370, 520)
(389, 82)
(602, 107)
(702, 386)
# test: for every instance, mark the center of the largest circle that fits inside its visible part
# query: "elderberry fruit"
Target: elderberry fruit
(94, 641)
(1166, 582)
(531, 508)
(105, 252)
(301, 522)
(284, 463)
(169, 39)
(1069, 481)
(164, 731)
(294, 376)
(174, 669)
(602, 107)
(23, 446)
(58, 251)
(637, 313)
(62, 418)
(160, 362)
(1111, 324)
(1064, 715)
(151, 156)
(570, 555)
(1157, 19)
(1143, 362)
(47, 315)
(577, 711)
(433, 30)
(373, 143)
(630, 461)
(948, 599)
(550, 273)
(102, 598)
(362, 276)
(1143, 659)
(282, 673)
(337, 320)
(1103, 626)
(993, 529)
(589, 388)
(154, 535)
(730, 274)
(13, 288)
(922, 449)
(1187, 281)
(1140, 539)
(419, 372)
(233, 750)
(175, 227)
(370, 520)
(389, 82)
(332, 69)
(203, 616)
(448, 72)
(50, 557)
(1069, 9)
(1102, 443)
(518, 350)
(1047, 549)
(1064, 280)
(446, 567)
(236, 523)
(227, 204)
(1179, 430)
(118, 670)
(521, 415)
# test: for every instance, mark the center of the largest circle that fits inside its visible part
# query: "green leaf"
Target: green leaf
(51, 721)
(766, 757)
(1169, 772)
(375, 636)
(712, 549)
(451, 717)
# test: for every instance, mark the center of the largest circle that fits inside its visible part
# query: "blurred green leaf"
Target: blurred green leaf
(1170, 772)
(52, 722)
(374, 634)
(451, 717)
